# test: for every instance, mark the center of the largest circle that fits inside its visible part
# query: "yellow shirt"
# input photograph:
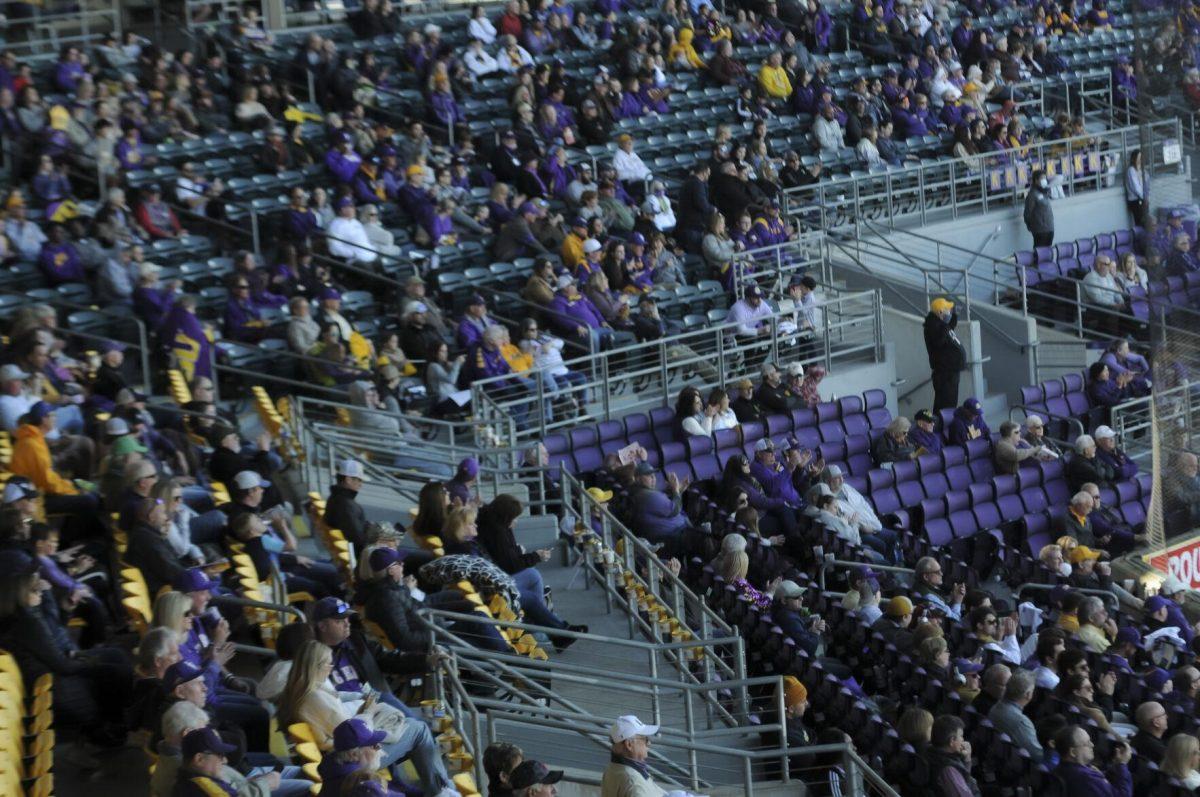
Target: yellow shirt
(516, 359)
(774, 81)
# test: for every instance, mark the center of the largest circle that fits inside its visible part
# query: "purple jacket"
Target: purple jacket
(57, 576)
(822, 28)
(299, 225)
(486, 363)
(152, 305)
(576, 312)
(60, 263)
(1080, 781)
(343, 165)
(240, 321)
(444, 109)
(67, 75)
(183, 334)
(470, 332)
(631, 106)
(776, 482)
(1125, 467)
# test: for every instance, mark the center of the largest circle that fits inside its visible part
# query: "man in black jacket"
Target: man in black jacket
(694, 207)
(947, 358)
(744, 406)
(772, 395)
(342, 510)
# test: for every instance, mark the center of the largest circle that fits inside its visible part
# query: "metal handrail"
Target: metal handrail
(655, 359)
(844, 194)
(1072, 422)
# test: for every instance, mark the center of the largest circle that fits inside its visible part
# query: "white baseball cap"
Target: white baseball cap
(12, 372)
(248, 480)
(795, 369)
(592, 245)
(1103, 432)
(1171, 585)
(116, 427)
(352, 468)
(628, 727)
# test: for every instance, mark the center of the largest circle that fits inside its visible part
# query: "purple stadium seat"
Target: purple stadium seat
(1124, 241)
(1068, 267)
(1034, 499)
(662, 424)
(1105, 240)
(987, 515)
(1026, 258)
(778, 426)
(981, 493)
(931, 508)
(1010, 507)
(827, 411)
(1044, 254)
(1126, 491)
(910, 493)
(938, 532)
(1109, 497)
(1057, 492)
(729, 442)
(879, 479)
(834, 451)
(850, 405)
(905, 472)
(832, 431)
(885, 500)
(1087, 262)
(1064, 250)
(1072, 383)
(637, 430)
(706, 467)
(803, 418)
(1084, 246)
(673, 451)
(698, 445)
(963, 524)
(1139, 303)
(957, 500)
(588, 459)
(857, 482)
(874, 399)
(982, 469)
(558, 447)
(1052, 469)
(681, 468)
(751, 433)
(1133, 512)
(1035, 524)
(945, 416)
(1005, 484)
(929, 463)
(856, 424)
(1052, 389)
(1028, 478)
(959, 476)
(1078, 404)
(935, 484)
(858, 454)
(875, 403)
(584, 437)
(1144, 483)
(612, 436)
(1032, 395)
(953, 455)
(979, 448)
(809, 437)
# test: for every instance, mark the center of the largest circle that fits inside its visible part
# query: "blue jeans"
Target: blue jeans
(566, 381)
(207, 527)
(416, 742)
(198, 498)
(292, 782)
(395, 702)
(884, 542)
(533, 598)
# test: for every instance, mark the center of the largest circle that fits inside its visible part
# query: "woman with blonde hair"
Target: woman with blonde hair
(733, 564)
(308, 696)
(172, 611)
(1182, 759)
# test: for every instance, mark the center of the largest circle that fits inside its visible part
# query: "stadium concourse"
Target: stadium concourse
(562, 397)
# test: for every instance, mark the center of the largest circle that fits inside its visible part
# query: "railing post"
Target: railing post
(541, 402)
(604, 366)
(1078, 310)
(254, 230)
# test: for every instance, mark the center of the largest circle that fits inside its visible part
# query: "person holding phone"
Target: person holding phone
(1077, 770)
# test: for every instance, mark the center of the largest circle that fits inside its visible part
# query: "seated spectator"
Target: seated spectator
(893, 445)
(657, 516)
(1051, 557)
(928, 587)
(1077, 772)
(156, 217)
(859, 513)
(949, 757)
(1149, 741)
(1107, 452)
(1105, 391)
(1182, 488)
(1008, 716)
(1087, 572)
(1086, 467)
(995, 634)
(1051, 642)
(968, 423)
(1120, 359)
(1182, 759)
(1035, 436)
(1096, 628)
(895, 622)
(923, 435)
(990, 687)
(1010, 450)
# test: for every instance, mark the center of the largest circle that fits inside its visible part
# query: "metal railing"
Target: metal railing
(953, 187)
(50, 25)
(1134, 421)
(651, 373)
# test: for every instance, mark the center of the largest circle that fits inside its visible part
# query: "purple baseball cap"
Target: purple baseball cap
(383, 558)
(194, 580)
(204, 740)
(355, 733)
(330, 609)
(469, 467)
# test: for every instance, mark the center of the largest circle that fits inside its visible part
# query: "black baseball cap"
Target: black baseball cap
(532, 773)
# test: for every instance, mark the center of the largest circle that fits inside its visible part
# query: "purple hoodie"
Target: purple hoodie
(576, 312)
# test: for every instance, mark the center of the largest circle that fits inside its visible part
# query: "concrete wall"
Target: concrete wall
(1011, 364)
(853, 381)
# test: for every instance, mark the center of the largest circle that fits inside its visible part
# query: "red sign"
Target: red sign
(1181, 559)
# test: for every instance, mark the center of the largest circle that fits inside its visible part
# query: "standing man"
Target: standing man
(947, 358)
(1039, 216)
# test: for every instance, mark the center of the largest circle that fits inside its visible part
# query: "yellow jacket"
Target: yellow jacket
(572, 251)
(683, 46)
(774, 81)
(31, 459)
